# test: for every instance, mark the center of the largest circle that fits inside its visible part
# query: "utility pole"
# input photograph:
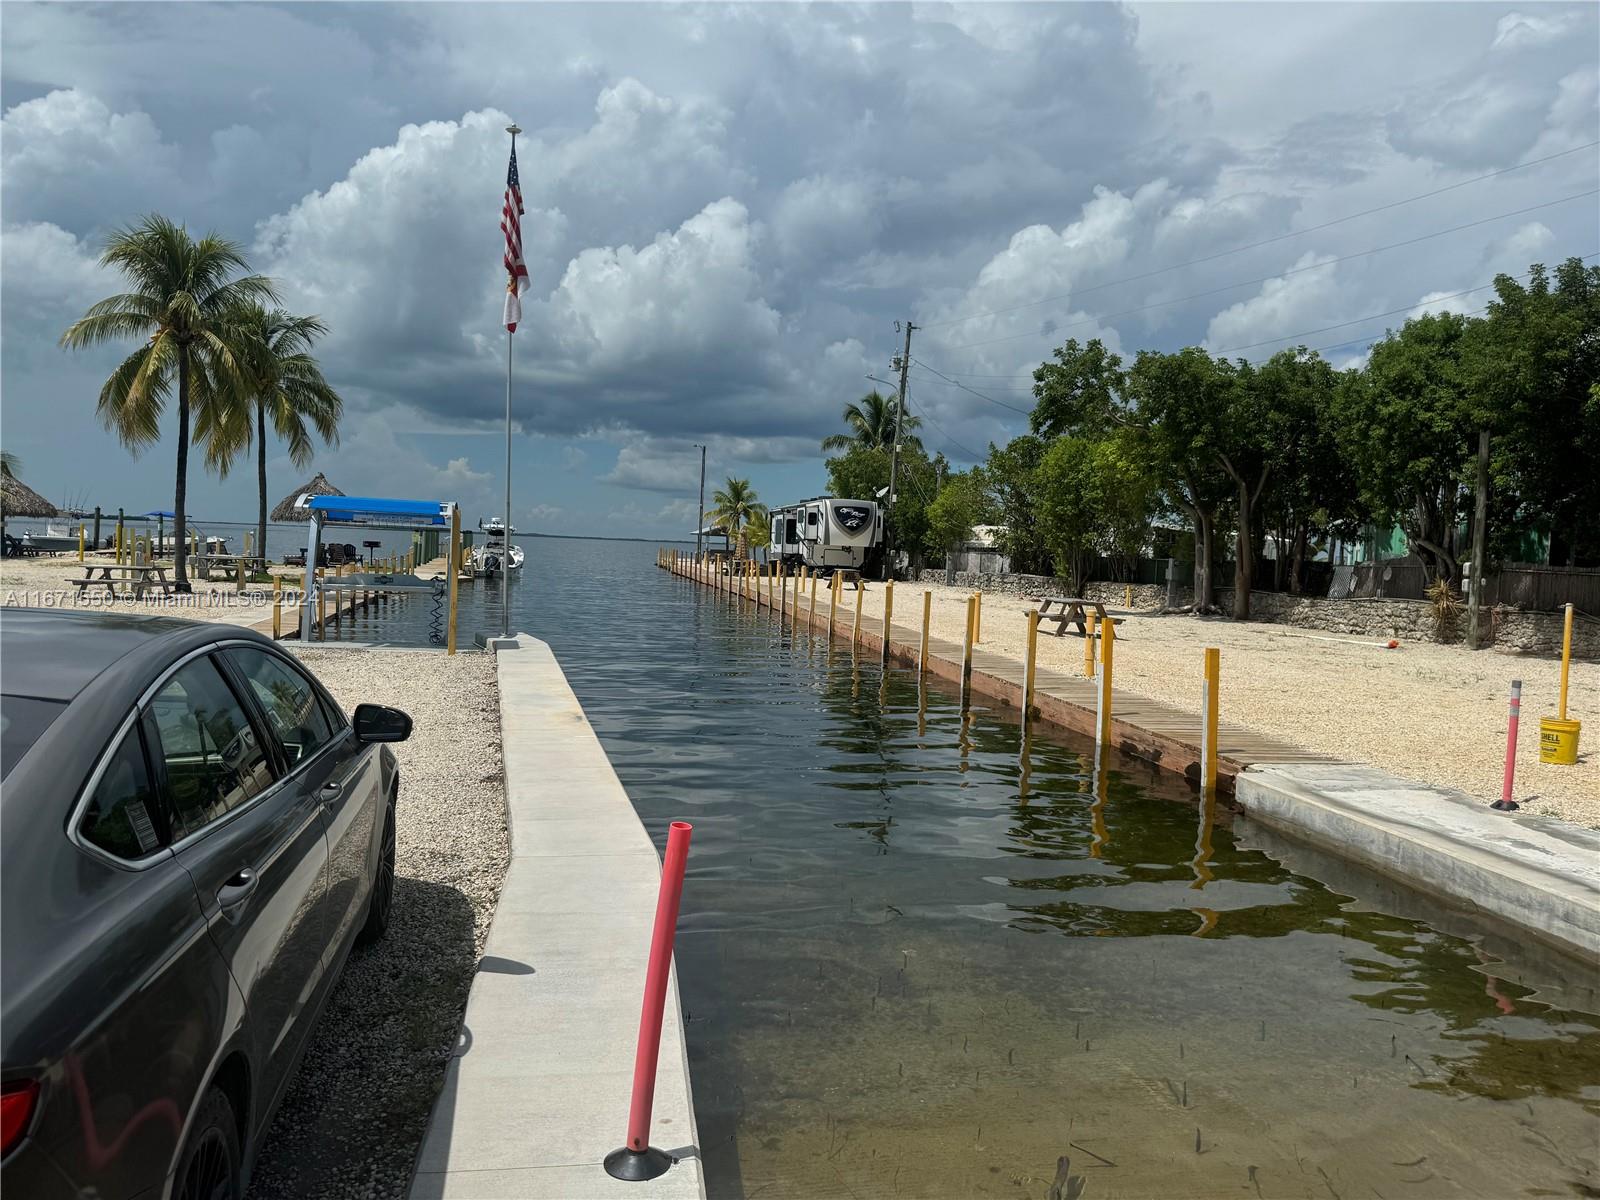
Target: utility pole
(1480, 514)
(894, 453)
(700, 513)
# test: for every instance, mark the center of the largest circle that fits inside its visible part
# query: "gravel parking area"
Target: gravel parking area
(1427, 712)
(355, 1113)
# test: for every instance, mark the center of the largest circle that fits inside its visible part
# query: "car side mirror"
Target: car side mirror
(380, 723)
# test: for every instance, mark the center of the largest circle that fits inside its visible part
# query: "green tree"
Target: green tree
(181, 292)
(1077, 393)
(282, 385)
(954, 511)
(1410, 425)
(1534, 362)
(1009, 482)
(1095, 497)
(869, 422)
(1180, 403)
(734, 506)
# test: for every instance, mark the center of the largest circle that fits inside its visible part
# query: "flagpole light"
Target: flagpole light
(513, 129)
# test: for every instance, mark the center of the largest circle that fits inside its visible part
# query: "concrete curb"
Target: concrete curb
(537, 1092)
(1538, 874)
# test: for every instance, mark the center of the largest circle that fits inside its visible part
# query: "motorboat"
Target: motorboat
(52, 540)
(495, 552)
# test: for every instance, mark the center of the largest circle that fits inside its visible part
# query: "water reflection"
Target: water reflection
(927, 953)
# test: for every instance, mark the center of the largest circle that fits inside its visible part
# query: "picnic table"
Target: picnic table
(108, 575)
(1073, 610)
(229, 564)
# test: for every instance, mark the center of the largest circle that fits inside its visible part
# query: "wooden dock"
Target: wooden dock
(1146, 728)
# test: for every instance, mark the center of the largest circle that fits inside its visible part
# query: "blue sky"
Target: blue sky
(730, 206)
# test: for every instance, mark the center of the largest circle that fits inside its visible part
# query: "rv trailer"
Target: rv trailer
(827, 533)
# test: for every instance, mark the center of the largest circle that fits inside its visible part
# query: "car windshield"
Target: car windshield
(23, 719)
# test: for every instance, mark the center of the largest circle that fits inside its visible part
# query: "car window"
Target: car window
(23, 720)
(288, 699)
(214, 760)
(119, 818)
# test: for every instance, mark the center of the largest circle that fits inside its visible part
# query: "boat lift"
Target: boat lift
(373, 512)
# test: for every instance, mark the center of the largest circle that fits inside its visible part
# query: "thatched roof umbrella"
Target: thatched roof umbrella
(17, 499)
(286, 511)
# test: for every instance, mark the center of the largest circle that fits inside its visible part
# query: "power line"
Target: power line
(1023, 411)
(1194, 262)
(1289, 337)
(1127, 312)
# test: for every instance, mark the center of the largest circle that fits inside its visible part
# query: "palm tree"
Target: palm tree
(734, 507)
(280, 383)
(870, 422)
(182, 293)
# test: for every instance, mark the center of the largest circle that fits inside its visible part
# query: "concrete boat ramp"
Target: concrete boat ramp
(537, 1093)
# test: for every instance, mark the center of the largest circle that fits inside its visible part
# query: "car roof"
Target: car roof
(54, 654)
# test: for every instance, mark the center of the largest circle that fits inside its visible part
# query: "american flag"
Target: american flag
(511, 226)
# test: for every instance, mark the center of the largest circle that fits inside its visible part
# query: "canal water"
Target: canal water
(920, 956)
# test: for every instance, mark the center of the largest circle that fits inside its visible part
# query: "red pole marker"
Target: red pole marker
(638, 1160)
(1506, 803)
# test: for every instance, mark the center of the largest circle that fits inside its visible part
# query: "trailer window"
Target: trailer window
(811, 517)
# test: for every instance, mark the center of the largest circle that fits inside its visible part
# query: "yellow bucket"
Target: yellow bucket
(1558, 740)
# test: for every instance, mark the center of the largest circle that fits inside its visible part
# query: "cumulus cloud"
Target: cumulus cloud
(64, 153)
(1310, 297)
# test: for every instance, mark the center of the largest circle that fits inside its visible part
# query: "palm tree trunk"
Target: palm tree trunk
(180, 534)
(261, 482)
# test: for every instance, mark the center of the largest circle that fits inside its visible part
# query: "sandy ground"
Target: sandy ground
(353, 1118)
(1424, 711)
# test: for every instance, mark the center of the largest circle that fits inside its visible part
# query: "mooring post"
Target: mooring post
(1089, 621)
(927, 618)
(1506, 803)
(80, 541)
(277, 607)
(977, 619)
(811, 619)
(966, 649)
(888, 615)
(833, 602)
(855, 634)
(1028, 668)
(1209, 701)
(638, 1160)
(1108, 640)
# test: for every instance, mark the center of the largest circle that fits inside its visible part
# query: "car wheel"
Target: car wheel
(382, 898)
(209, 1169)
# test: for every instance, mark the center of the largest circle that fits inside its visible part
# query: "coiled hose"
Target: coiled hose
(437, 615)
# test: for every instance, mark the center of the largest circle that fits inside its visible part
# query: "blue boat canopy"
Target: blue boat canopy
(377, 510)
(159, 513)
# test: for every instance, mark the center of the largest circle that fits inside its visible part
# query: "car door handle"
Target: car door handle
(330, 791)
(233, 894)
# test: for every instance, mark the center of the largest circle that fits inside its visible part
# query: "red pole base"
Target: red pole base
(637, 1166)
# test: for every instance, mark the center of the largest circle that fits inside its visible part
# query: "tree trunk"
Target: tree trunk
(1297, 561)
(1244, 557)
(180, 491)
(1202, 560)
(261, 482)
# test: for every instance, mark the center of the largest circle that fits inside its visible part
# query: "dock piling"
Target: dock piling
(1028, 669)
(277, 607)
(927, 619)
(855, 635)
(1089, 623)
(888, 616)
(1209, 701)
(1108, 638)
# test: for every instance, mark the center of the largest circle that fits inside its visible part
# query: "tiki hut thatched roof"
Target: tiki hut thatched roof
(286, 511)
(17, 499)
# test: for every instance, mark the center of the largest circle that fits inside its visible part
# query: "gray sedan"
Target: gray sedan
(192, 838)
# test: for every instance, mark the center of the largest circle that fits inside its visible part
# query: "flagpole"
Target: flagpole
(505, 556)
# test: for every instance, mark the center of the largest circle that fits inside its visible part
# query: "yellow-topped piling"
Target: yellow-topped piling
(1209, 700)
(1108, 642)
(855, 634)
(888, 615)
(1029, 667)
(1089, 621)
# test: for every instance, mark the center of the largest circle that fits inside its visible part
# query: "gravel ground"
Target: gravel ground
(1424, 711)
(353, 1119)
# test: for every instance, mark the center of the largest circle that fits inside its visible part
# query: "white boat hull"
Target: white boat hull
(488, 560)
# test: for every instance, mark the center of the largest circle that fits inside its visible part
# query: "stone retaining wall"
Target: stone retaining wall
(1509, 630)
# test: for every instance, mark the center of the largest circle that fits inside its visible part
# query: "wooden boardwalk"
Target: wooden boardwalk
(1146, 728)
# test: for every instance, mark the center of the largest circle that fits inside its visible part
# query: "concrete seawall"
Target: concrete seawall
(537, 1093)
